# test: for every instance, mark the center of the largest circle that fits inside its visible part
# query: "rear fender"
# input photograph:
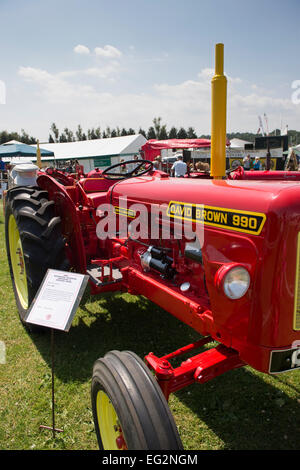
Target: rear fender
(65, 207)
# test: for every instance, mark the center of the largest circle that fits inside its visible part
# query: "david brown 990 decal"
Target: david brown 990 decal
(240, 221)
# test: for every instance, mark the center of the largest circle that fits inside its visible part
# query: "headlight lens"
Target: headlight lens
(236, 282)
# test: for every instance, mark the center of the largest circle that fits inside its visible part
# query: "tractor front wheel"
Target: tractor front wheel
(129, 409)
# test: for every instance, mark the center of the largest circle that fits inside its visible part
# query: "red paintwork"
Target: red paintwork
(248, 328)
(200, 368)
(277, 175)
(258, 321)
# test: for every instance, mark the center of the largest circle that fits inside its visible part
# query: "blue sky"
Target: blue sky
(99, 63)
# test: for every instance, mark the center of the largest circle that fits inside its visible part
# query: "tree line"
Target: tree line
(23, 137)
(157, 130)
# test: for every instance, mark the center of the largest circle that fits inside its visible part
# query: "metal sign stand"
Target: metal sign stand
(61, 288)
(53, 428)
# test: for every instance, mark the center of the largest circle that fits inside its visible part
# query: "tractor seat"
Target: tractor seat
(92, 185)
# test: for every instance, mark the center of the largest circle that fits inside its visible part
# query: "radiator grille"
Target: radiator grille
(297, 289)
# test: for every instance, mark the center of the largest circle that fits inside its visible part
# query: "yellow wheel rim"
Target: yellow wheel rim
(17, 261)
(108, 422)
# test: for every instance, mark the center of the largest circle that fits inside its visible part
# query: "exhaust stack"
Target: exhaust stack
(218, 122)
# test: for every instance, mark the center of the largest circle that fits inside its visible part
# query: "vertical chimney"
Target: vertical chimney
(218, 121)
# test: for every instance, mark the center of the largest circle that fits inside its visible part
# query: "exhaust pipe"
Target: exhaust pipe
(218, 122)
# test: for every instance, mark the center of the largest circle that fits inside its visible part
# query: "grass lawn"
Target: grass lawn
(243, 409)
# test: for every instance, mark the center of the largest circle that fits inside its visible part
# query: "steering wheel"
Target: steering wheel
(111, 175)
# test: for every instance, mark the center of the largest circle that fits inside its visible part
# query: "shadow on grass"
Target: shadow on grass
(241, 407)
(245, 411)
(111, 321)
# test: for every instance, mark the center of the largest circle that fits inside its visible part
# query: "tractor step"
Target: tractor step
(103, 275)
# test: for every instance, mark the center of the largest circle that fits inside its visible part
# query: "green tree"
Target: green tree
(55, 132)
(24, 137)
(191, 133)
(157, 126)
(98, 133)
(78, 133)
(63, 137)
(92, 135)
(69, 135)
(163, 135)
(151, 133)
(182, 134)
(142, 132)
(173, 133)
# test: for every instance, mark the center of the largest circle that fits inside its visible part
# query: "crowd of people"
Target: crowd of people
(180, 168)
(72, 166)
(249, 163)
(177, 169)
(292, 163)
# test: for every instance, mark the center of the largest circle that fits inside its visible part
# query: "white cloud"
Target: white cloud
(107, 71)
(80, 49)
(53, 86)
(108, 51)
(184, 104)
(206, 74)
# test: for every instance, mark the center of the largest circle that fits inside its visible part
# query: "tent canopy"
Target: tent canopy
(153, 147)
(112, 146)
(238, 143)
(21, 150)
(12, 142)
(177, 143)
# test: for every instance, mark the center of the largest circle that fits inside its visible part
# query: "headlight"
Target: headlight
(234, 279)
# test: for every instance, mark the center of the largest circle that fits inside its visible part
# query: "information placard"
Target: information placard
(57, 299)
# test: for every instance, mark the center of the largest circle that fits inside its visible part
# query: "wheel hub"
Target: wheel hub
(17, 262)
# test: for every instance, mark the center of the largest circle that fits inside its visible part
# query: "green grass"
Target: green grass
(242, 409)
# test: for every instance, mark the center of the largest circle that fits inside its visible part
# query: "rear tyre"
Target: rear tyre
(129, 408)
(34, 242)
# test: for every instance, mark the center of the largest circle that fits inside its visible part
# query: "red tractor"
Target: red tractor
(235, 281)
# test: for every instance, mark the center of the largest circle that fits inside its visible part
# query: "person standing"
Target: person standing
(257, 164)
(157, 163)
(123, 166)
(179, 168)
(246, 162)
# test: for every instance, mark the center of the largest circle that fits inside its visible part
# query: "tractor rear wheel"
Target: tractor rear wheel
(34, 242)
(129, 409)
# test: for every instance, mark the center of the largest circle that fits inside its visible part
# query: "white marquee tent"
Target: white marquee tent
(238, 143)
(95, 153)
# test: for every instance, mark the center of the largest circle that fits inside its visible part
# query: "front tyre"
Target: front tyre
(129, 408)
